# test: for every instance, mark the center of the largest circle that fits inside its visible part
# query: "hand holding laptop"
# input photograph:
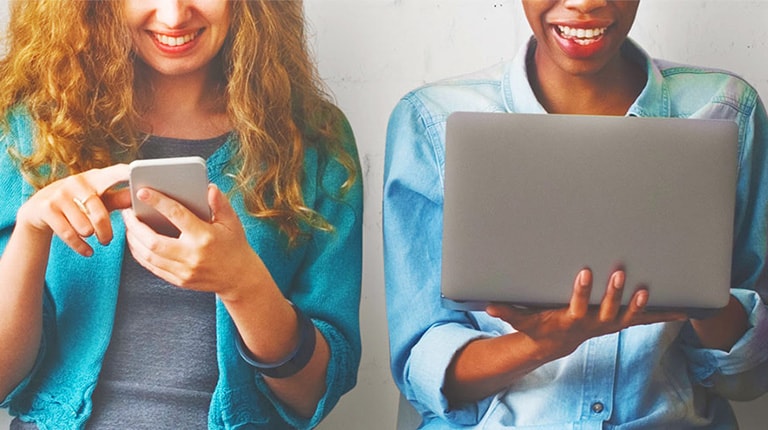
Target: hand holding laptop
(562, 330)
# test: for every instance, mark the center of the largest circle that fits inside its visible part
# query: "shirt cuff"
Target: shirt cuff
(749, 351)
(427, 365)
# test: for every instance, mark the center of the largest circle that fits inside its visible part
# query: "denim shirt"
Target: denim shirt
(644, 377)
(322, 276)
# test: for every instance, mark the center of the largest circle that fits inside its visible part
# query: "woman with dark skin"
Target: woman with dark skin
(592, 78)
(580, 365)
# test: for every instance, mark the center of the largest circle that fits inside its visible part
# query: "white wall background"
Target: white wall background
(371, 52)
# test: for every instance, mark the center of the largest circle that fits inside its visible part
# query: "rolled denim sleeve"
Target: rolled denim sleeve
(424, 337)
(711, 367)
(725, 370)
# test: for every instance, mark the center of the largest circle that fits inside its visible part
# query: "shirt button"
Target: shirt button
(597, 407)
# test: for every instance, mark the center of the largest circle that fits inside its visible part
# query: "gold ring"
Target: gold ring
(80, 203)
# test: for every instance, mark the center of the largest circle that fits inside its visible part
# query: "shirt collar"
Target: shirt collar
(519, 96)
(516, 89)
(653, 100)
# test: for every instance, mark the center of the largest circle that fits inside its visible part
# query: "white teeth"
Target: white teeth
(580, 35)
(175, 41)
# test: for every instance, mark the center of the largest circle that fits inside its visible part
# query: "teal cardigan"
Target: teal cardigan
(321, 276)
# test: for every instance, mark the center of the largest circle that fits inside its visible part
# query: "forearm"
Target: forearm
(487, 366)
(22, 277)
(724, 329)
(270, 330)
(303, 391)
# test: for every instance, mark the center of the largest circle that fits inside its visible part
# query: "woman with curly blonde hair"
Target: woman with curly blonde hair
(249, 320)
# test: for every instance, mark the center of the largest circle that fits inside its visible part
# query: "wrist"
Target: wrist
(542, 351)
(249, 284)
(724, 329)
(291, 363)
(25, 223)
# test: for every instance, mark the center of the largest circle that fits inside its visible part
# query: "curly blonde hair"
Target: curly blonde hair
(71, 66)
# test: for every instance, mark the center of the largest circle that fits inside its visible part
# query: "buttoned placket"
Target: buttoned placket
(601, 360)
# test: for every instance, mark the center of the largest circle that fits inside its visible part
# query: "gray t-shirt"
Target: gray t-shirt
(160, 369)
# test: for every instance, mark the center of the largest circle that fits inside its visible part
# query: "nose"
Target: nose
(172, 13)
(585, 6)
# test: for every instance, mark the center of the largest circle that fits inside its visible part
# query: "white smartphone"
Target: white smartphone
(184, 179)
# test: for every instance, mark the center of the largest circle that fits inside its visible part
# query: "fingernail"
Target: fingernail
(142, 194)
(584, 278)
(618, 280)
(641, 300)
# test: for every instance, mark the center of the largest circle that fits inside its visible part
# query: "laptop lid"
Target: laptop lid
(531, 199)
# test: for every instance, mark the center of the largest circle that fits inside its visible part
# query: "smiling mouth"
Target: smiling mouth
(173, 41)
(582, 36)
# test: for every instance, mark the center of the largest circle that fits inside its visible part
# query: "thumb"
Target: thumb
(117, 199)
(513, 315)
(499, 311)
(221, 209)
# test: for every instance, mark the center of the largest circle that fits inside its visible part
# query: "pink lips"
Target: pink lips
(175, 44)
(580, 41)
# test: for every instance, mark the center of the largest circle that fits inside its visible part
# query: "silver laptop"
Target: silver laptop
(532, 199)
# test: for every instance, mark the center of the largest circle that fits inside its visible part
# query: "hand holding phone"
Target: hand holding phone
(184, 179)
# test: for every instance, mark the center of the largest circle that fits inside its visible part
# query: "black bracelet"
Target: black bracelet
(295, 360)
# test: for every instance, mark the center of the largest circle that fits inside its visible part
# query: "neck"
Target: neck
(190, 106)
(611, 91)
